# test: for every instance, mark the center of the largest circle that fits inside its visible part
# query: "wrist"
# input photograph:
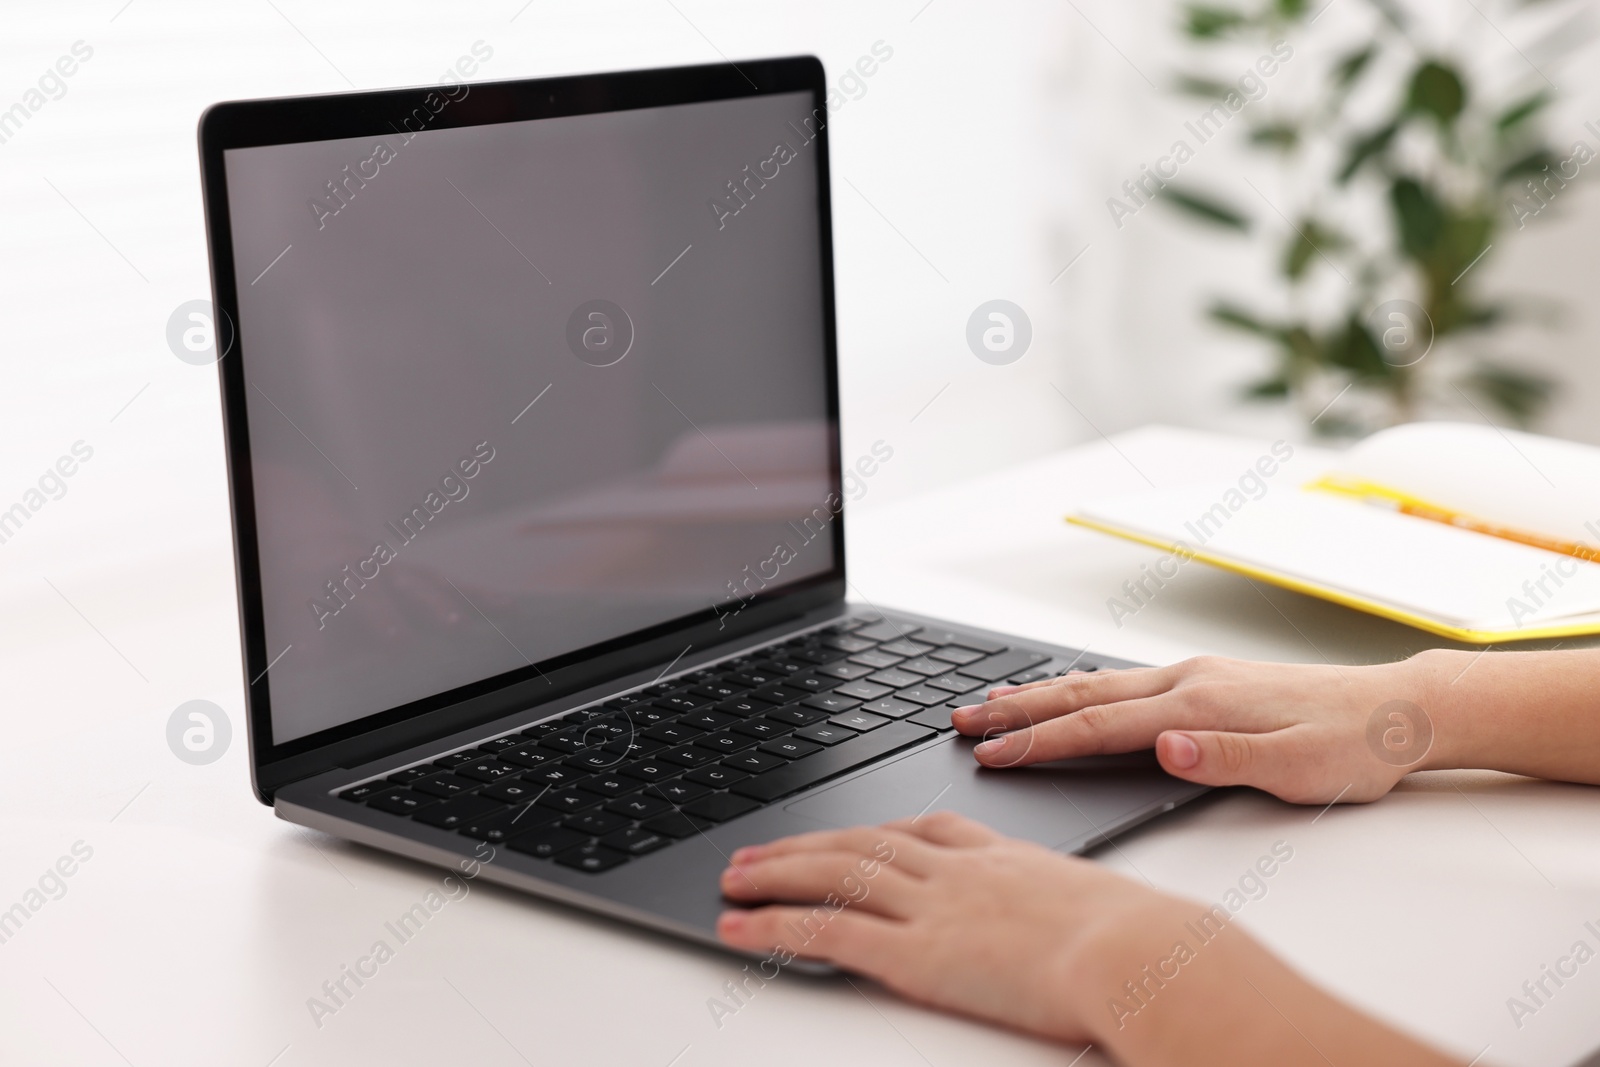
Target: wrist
(1447, 707)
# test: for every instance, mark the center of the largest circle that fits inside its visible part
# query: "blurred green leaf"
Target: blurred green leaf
(1291, 9)
(1366, 148)
(1237, 317)
(1519, 112)
(1311, 239)
(1203, 87)
(1204, 207)
(1208, 21)
(1419, 217)
(1351, 67)
(1520, 394)
(1280, 135)
(1437, 90)
(1354, 348)
(1529, 166)
(1274, 388)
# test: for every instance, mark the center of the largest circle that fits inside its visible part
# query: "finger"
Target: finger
(947, 828)
(1288, 763)
(1007, 690)
(854, 940)
(1072, 692)
(810, 877)
(1102, 729)
(911, 853)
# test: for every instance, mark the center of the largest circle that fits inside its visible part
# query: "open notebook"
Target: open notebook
(1466, 531)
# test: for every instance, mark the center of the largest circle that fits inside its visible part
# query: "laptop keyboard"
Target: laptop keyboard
(599, 786)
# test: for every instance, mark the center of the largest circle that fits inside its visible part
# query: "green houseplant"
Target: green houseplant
(1404, 177)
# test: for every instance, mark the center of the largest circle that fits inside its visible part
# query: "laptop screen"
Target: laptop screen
(518, 389)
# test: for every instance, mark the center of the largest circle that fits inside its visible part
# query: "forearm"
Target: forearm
(1532, 713)
(1234, 1002)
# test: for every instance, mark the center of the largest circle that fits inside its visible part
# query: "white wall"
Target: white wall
(975, 166)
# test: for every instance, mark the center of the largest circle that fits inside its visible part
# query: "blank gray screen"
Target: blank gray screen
(517, 389)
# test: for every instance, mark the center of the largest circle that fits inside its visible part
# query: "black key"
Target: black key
(505, 823)
(678, 791)
(397, 801)
(725, 742)
(924, 666)
(638, 806)
(543, 729)
(454, 814)
(796, 715)
(1036, 674)
(782, 668)
(592, 859)
(718, 691)
(956, 683)
(837, 760)
(455, 759)
(498, 744)
(649, 770)
(825, 733)
(609, 728)
(830, 702)
(546, 842)
(815, 654)
(847, 643)
(569, 800)
(513, 790)
(938, 718)
(720, 807)
(761, 729)
(790, 747)
(577, 718)
(891, 708)
(611, 785)
(555, 775)
(673, 733)
(956, 654)
(715, 775)
(859, 720)
(847, 672)
(779, 694)
(906, 648)
(754, 762)
(444, 785)
(527, 755)
(567, 742)
(926, 695)
(411, 774)
(994, 668)
(359, 793)
(643, 715)
(626, 700)
(635, 841)
(597, 759)
(682, 702)
(877, 660)
(708, 720)
(950, 637)
(742, 708)
(689, 756)
(863, 691)
(595, 823)
(633, 748)
(897, 679)
(811, 682)
(884, 630)
(675, 824)
(751, 679)
(661, 689)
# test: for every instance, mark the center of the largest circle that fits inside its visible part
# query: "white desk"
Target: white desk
(201, 925)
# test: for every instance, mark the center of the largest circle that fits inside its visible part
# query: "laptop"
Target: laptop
(531, 410)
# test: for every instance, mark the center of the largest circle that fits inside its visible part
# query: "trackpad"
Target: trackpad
(1068, 804)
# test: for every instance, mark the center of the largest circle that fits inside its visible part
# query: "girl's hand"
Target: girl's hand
(1306, 734)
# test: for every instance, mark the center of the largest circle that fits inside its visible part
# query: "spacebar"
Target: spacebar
(845, 756)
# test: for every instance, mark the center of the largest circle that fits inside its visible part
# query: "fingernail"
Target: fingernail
(732, 876)
(1003, 690)
(966, 712)
(990, 748)
(744, 855)
(1182, 752)
(731, 920)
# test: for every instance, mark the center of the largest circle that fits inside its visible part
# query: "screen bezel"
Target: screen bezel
(256, 123)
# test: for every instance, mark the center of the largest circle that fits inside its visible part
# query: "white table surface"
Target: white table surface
(201, 925)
